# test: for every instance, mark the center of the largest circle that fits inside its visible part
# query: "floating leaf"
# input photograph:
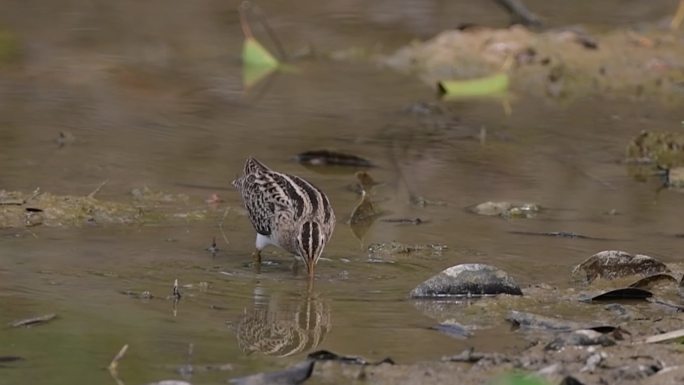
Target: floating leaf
(332, 158)
(257, 61)
(492, 85)
(255, 55)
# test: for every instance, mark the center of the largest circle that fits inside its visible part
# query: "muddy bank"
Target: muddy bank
(627, 364)
(21, 209)
(556, 351)
(568, 63)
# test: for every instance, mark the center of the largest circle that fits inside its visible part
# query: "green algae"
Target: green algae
(19, 209)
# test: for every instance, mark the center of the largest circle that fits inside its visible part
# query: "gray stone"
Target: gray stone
(612, 264)
(467, 280)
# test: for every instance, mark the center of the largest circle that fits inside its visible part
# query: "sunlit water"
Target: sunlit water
(152, 94)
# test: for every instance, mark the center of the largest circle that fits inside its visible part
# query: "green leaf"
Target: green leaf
(252, 75)
(255, 55)
(493, 85)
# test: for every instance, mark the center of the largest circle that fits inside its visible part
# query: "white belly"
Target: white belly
(263, 241)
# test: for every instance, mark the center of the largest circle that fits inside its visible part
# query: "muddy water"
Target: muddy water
(152, 95)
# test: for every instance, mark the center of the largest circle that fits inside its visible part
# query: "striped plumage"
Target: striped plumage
(286, 211)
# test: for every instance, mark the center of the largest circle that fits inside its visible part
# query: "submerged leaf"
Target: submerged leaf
(491, 85)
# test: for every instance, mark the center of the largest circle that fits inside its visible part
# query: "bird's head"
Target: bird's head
(310, 243)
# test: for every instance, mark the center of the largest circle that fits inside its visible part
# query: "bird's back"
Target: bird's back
(276, 200)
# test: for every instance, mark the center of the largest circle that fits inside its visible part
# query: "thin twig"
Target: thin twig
(115, 363)
(36, 192)
(176, 294)
(27, 322)
(191, 348)
(34, 235)
(678, 17)
(270, 32)
(244, 24)
(176, 291)
(97, 189)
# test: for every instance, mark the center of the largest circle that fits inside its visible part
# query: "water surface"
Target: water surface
(152, 95)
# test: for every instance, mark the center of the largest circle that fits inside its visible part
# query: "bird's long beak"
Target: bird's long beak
(310, 268)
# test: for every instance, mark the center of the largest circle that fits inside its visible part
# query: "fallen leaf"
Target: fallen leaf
(493, 85)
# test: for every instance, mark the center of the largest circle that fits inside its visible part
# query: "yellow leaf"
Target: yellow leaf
(492, 85)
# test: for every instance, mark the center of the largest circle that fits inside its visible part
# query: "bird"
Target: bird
(286, 211)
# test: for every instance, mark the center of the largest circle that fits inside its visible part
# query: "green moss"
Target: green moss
(18, 209)
(664, 149)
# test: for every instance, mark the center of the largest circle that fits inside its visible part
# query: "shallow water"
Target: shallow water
(152, 95)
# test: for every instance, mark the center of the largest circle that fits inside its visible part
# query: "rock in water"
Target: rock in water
(467, 280)
(612, 264)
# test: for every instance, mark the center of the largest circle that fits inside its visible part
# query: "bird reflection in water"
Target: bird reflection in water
(283, 325)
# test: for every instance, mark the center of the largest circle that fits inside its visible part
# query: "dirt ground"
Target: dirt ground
(568, 63)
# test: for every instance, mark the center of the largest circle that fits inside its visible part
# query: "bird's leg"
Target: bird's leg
(257, 260)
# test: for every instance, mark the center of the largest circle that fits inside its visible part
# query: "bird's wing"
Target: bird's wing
(253, 166)
(266, 197)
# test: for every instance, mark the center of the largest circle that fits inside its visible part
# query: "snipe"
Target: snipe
(286, 211)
